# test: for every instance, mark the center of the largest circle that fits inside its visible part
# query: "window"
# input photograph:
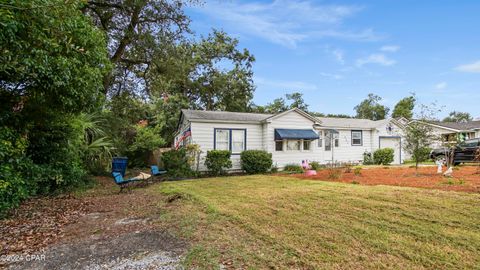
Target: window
(306, 145)
(233, 140)
(328, 141)
(471, 143)
(357, 137)
(293, 145)
(337, 142)
(222, 139)
(278, 145)
(238, 140)
(320, 139)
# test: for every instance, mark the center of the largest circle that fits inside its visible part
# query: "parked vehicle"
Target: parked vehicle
(464, 152)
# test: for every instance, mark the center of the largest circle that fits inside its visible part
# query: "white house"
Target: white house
(290, 136)
(450, 131)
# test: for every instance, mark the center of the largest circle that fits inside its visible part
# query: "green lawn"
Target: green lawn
(281, 222)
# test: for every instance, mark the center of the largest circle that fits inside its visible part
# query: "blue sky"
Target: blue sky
(336, 52)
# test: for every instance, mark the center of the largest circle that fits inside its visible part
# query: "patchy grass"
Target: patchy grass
(279, 222)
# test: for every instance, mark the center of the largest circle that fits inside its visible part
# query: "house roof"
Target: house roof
(259, 117)
(304, 114)
(350, 122)
(224, 116)
(470, 125)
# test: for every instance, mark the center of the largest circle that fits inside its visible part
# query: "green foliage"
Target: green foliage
(167, 113)
(370, 108)
(293, 168)
(314, 165)
(334, 173)
(417, 139)
(51, 68)
(422, 154)
(404, 108)
(383, 156)
(53, 58)
(137, 33)
(145, 141)
(293, 100)
(368, 158)
(96, 146)
(176, 163)
(217, 161)
(357, 171)
(13, 187)
(58, 150)
(458, 117)
(256, 161)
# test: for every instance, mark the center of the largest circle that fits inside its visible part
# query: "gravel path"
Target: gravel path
(137, 250)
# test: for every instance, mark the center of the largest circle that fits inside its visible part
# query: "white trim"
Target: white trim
(438, 126)
(302, 113)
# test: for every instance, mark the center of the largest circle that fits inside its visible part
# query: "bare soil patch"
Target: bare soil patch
(97, 229)
(465, 178)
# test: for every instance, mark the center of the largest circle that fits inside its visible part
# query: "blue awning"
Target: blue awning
(295, 134)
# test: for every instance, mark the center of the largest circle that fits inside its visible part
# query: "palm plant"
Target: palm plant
(97, 147)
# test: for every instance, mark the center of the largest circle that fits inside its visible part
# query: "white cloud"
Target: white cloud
(376, 58)
(337, 54)
(390, 48)
(286, 22)
(472, 68)
(331, 75)
(441, 85)
(285, 85)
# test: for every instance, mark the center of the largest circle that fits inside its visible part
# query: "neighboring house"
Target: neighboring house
(450, 131)
(290, 136)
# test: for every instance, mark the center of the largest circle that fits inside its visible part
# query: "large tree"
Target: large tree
(52, 57)
(212, 74)
(404, 108)
(281, 104)
(135, 30)
(458, 117)
(52, 61)
(370, 108)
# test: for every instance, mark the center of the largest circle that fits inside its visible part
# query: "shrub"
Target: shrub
(145, 141)
(383, 156)
(348, 167)
(176, 163)
(314, 165)
(335, 173)
(357, 171)
(293, 168)
(13, 188)
(217, 161)
(367, 158)
(58, 153)
(274, 169)
(256, 161)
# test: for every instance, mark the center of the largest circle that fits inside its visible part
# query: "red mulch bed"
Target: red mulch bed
(465, 179)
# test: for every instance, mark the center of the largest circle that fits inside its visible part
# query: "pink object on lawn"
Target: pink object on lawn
(310, 173)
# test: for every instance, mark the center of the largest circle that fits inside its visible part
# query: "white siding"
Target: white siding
(382, 131)
(346, 152)
(203, 135)
(291, 120)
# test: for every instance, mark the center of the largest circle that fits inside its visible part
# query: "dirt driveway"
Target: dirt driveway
(465, 178)
(97, 230)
